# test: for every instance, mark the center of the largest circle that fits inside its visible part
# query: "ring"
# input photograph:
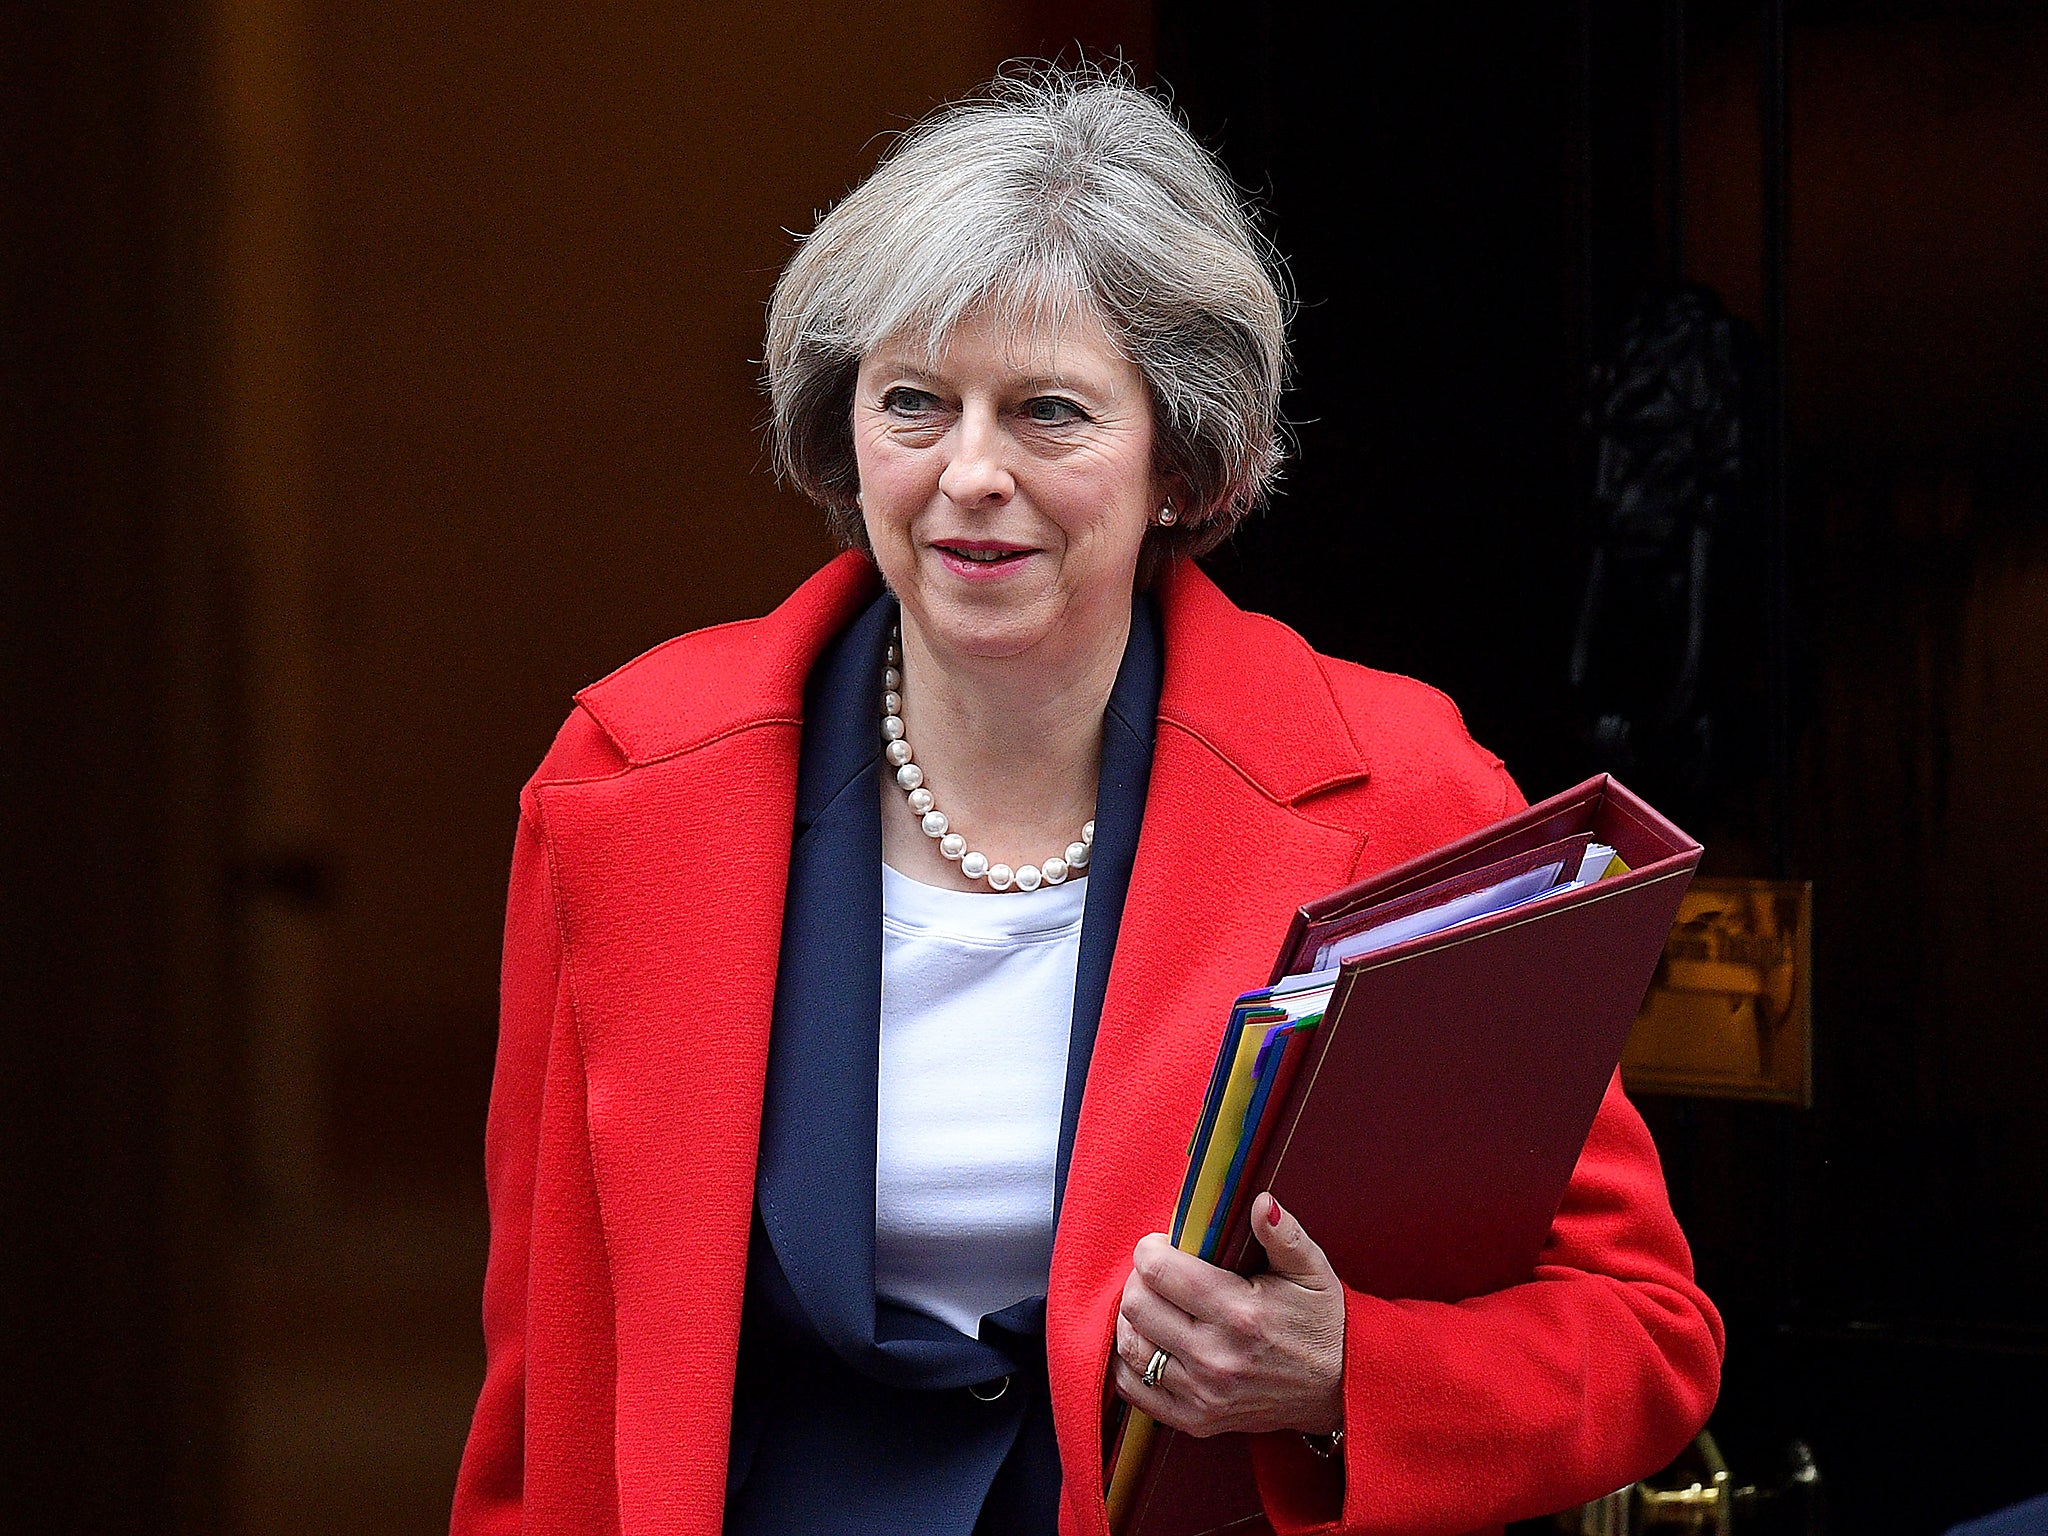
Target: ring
(1156, 1367)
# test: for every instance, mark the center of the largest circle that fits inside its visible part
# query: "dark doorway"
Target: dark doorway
(1473, 205)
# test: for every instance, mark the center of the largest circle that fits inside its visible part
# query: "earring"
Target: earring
(1167, 516)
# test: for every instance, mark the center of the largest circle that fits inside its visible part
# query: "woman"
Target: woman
(865, 962)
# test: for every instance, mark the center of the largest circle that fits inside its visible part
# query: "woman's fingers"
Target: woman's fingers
(1199, 1289)
(1130, 1386)
(1291, 1254)
(1206, 1374)
(1134, 1345)
(1250, 1355)
(1172, 1410)
(1158, 1323)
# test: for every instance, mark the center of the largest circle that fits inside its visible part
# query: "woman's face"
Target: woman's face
(1007, 486)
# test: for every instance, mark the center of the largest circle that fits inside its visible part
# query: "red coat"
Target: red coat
(639, 974)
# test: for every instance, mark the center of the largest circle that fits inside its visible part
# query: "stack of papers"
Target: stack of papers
(1596, 863)
(1263, 1045)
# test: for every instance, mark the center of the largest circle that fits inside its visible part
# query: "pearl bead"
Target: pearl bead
(932, 821)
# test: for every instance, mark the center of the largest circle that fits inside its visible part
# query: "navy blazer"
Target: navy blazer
(852, 1415)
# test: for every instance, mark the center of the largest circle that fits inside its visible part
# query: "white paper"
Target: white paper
(1468, 908)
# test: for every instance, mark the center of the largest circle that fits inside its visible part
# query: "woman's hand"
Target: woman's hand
(1246, 1355)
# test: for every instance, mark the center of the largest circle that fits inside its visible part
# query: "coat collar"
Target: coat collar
(1253, 691)
(1246, 685)
(693, 689)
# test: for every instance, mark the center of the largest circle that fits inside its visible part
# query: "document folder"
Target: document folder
(1432, 1117)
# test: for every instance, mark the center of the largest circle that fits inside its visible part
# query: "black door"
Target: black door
(1476, 202)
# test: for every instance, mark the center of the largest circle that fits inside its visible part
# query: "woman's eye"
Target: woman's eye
(1052, 411)
(904, 401)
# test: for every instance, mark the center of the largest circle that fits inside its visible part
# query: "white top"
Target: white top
(977, 1002)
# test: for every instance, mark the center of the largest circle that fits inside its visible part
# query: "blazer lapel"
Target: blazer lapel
(816, 1181)
(1225, 857)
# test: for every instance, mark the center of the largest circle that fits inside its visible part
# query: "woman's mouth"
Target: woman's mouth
(982, 560)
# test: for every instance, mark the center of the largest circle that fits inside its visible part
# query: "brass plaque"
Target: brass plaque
(1730, 1014)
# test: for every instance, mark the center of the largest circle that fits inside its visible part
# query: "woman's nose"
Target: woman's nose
(978, 472)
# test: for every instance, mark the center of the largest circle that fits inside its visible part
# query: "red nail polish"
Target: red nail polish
(1272, 1212)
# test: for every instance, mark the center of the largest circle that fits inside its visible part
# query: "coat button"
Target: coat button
(989, 1391)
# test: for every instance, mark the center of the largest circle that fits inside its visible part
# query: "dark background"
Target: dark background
(375, 375)
(1472, 210)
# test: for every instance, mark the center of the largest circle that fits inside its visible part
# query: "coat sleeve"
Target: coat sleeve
(489, 1487)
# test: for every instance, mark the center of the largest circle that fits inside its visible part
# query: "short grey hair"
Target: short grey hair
(1046, 188)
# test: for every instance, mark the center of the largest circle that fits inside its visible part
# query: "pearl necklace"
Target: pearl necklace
(910, 779)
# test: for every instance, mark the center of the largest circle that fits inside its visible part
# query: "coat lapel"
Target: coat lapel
(1129, 728)
(1226, 854)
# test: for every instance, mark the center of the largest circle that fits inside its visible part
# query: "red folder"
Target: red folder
(1434, 1123)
